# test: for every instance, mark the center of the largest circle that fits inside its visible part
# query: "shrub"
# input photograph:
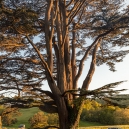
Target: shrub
(53, 119)
(102, 115)
(9, 116)
(38, 120)
(106, 115)
(121, 116)
(90, 111)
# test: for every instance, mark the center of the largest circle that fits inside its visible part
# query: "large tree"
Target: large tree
(49, 40)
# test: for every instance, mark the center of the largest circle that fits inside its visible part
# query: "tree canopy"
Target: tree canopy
(48, 41)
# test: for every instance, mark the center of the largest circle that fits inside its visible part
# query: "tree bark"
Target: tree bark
(71, 120)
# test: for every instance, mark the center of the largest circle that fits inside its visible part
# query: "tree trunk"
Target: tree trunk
(65, 123)
(69, 115)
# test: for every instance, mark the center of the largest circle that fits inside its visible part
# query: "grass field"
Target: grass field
(27, 113)
(24, 117)
(106, 127)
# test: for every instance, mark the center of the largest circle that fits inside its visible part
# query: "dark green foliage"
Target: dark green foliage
(108, 115)
(90, 111)
(53, 119)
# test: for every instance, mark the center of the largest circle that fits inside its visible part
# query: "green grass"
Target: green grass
(106, 127)
(24, 117)
(95, 125)
(27, 113)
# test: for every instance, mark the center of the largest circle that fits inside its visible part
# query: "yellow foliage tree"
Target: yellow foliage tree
(38, 120)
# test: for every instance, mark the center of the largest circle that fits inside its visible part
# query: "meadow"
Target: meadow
(106, 127)
(27, 113)
(24, 117)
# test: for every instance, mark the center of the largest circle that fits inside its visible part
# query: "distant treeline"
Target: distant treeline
(111, 115)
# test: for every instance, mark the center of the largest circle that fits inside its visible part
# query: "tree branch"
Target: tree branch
(48, 93)
(87, 80)
(76, 11)
(87, 53)
(49, 34)
(52, 86)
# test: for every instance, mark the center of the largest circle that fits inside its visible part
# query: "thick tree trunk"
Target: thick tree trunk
(69, 115)
(63, 120)
(62, 112)
(65, 123)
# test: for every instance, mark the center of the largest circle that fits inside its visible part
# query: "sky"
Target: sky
(103, 75)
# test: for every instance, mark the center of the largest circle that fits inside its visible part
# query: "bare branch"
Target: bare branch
(92, 67)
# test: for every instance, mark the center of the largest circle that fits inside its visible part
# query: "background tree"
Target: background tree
(91, 111)
(9, 116)
(49, 40)
(121, 116)
(39, 120)
(53, 119)
(104, 114)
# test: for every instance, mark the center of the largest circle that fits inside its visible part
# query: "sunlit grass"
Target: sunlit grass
(27, 113)
(106, 127)
(25, 116)
(95, 125)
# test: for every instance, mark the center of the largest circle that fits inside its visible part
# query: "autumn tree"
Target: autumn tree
(49, 40)
(38, 120)
(9, 116)
(121, 116)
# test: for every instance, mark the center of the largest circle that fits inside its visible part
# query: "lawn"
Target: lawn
(27, 113)
(95, 125)
(24, 117)
(106, 127)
